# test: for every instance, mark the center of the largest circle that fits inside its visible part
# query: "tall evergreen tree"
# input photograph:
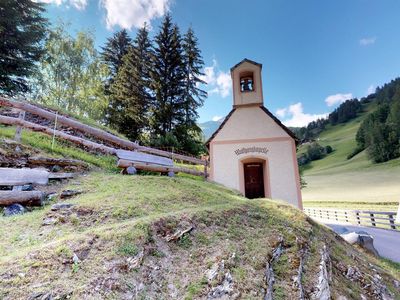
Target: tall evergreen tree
(194, 96)
(131, 89)
(167, 79)
(112, 55)
(22, 28)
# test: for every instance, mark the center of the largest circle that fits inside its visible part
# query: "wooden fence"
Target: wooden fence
(383, 219)
(97, 133)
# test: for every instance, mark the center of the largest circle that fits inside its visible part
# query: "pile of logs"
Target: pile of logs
(18, 179)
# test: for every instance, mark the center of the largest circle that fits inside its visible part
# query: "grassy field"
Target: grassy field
(335, 181)
(117, 231)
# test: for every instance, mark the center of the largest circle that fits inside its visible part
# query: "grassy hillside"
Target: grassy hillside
(118, 231)
(356, 183)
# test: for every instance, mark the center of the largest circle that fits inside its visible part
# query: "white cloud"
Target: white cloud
(281, 112)
(367, 41)
(220, 84)
(371, 89)
(216, 118)
(298, 118)
(78, 4)
(337, 99)
(133, 13)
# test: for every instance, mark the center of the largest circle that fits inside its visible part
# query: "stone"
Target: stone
(51, 197)
(131, 170)
(41, 296)
(50, 221)
(69, 193)
(171, 174)
(14, 209)
(61, 206)
(55, 169)
(363, 239)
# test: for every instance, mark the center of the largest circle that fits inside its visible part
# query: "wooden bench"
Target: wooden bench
(131, 161)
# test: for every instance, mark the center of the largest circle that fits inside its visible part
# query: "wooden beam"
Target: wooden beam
(61, 175)
(11, 177)
(60, 134)
(18, 131)
(50, 161)
(139, 157)
(122, 163)
(30, 198)
(98, 133)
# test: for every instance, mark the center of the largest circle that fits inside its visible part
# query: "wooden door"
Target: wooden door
(254, 180)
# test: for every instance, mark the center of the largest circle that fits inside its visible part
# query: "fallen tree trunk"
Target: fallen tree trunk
(57, 133)
(98, 133)
(12, 177)
(61, 175)
(50, 161)
(30, 198)
(123, 163)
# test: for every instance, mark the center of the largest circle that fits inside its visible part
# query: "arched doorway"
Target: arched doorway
(254, 177)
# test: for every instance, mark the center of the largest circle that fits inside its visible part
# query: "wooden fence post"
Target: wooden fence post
(18, 131)
(358, 218)
(205, 170)
(391, 220)
(372, 219)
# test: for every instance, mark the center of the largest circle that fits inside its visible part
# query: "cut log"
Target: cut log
(50, 161)
(57, 133)
(98, 133)
(61, 175)
(178, 235)
(122, 163)
(138, 157)
(31, 198)
(11, 177)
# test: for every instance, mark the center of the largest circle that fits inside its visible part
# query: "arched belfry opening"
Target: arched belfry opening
(246, 82)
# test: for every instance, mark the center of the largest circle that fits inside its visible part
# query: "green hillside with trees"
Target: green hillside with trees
(363, 169)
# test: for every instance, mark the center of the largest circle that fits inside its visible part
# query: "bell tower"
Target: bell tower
(247, 84)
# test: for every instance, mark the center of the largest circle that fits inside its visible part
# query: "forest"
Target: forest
(147, 88)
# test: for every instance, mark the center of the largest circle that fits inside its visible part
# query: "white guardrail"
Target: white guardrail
(382, 219)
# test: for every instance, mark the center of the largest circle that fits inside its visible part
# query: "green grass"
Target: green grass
(42, 142)
(335, 181)
(119, 217)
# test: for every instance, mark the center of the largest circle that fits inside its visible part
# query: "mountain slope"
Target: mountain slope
(148, 237)
(356, 182)
(209, 128)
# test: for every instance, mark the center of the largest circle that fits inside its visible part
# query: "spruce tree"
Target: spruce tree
(112, 55)
(131, 89)
(22, 28)
(194, 96)
(167, 79)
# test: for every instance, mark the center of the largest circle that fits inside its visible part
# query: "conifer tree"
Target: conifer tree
(167, 79)
(194, 96)
(22, 28)
(131, 89)
(112, 55)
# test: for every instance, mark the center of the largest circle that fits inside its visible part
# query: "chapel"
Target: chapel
(252, 151)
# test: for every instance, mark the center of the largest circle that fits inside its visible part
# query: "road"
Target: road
(387, 242)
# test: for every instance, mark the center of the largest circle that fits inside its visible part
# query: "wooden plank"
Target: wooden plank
(50, 161)
(9, 176)
(98, 133)
(144, 158)
(61, 175)
(31, 198)
(122, 163)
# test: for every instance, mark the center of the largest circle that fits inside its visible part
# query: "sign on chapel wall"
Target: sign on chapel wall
(253, 149)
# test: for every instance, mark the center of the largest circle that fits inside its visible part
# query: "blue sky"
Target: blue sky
(315, 53)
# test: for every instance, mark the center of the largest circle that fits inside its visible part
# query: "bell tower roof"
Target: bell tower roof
(246, 60)
(246, 83)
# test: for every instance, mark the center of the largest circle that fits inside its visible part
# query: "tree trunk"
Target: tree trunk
(30, 198)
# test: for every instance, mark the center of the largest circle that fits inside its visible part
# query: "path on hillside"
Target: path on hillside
(387, 242)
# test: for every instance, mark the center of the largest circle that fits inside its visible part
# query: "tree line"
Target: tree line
(148, 89)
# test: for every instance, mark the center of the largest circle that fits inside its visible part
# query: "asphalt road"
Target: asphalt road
(387, 242)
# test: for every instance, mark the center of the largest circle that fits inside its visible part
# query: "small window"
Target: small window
(246, 84)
